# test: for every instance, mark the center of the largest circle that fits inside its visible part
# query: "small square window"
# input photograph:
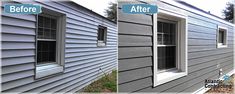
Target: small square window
(102, 35)
(221, 37)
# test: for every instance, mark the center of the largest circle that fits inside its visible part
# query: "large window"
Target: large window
(46, 39)
(166, 44)
(222, 37)
(50, 43)
(170, 46)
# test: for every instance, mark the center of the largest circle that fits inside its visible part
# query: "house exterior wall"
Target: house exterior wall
(83, 59)
(135, 52)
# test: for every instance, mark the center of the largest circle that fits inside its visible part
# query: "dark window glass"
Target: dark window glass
(53, 23)
(40, 21)
(46, 52)
(166, 57)
(166, 45)
(222, 37)
(46, 27)
(166, 33)
(101, 33)
(47, 22)
(46, 40)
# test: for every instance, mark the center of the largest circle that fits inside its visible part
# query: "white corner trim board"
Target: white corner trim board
(202, 90)
(196, 11)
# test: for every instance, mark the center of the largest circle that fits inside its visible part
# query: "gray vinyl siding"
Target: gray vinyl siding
(136, 53)
(83, 59)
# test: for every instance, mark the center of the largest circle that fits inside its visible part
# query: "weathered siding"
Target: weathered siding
(83, 59)
(135, 53)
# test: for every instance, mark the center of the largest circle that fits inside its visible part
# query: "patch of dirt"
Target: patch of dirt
(223, 90)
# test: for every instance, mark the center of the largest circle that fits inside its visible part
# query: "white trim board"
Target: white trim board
(202, 90)
(196, 11)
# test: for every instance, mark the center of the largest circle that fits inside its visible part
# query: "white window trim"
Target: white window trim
(220, 45)
(99, 42)
(44, 70)
(182, 61)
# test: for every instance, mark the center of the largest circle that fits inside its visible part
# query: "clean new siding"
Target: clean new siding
(135, 50)
(84, 61)
(135, 53)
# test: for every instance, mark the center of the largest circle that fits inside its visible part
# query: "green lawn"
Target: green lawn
(108, 83)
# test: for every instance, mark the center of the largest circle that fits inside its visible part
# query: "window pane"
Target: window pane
(159, 39)
(167, 40)
(167, 48)
(46, 28)
(159, 27)
(40, 32)
(221, 37)
(46, 49)
(40, 21)
(101, 33)
(166, 57)
(168, 31)
(53, 34)
(173, 34)
(47, 34)
(46, 52)
(47, 22)
(166, 28)
(53, 23)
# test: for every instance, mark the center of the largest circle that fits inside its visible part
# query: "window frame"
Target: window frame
(49, 69)
(161, 77)
(221, 45)
(104, 42)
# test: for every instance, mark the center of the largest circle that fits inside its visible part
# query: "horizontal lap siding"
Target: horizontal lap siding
(135, 55)
(84, 61)
(18, 45)
(135, 50)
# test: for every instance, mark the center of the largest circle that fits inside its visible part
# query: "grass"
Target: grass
(108, 83)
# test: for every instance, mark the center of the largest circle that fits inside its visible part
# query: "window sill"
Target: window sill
(165, 77)
(47, 69)
(221, 46)
(101, 44)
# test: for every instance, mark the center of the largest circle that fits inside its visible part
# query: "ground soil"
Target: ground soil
(223, 90)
